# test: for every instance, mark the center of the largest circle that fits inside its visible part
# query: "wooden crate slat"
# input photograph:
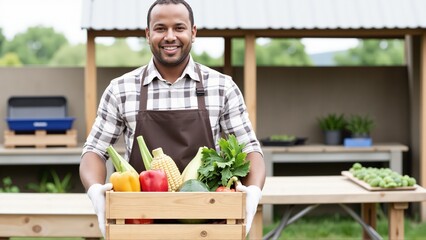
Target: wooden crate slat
(176, 231)
(176, 205)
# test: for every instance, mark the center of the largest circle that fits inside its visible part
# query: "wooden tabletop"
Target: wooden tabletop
(46, 203)
(330, 189)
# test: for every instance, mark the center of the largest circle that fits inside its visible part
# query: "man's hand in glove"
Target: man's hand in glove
(253, 196)
(96, 194)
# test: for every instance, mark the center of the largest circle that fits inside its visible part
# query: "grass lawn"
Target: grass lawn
(342, 228)
(325, 228)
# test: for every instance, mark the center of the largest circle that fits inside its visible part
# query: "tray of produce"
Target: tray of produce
(38, 113)
(379, 179)
(283, 140)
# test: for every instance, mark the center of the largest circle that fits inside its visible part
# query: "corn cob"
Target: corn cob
(166, 163)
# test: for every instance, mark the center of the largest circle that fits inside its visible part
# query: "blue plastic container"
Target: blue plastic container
(52, 124)
(358, 142)
(38, 113)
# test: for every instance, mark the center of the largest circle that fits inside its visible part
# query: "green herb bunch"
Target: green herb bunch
(218, 167)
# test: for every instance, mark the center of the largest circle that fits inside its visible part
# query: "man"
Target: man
(174, 103)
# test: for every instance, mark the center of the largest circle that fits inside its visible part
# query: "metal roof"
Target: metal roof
(266, 14)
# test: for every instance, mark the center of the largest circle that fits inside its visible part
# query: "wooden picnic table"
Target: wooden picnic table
(337, 190)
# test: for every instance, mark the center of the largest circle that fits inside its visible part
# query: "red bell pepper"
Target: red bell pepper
(139, 221)
(228, 188)
(150, 181)
(153, 181)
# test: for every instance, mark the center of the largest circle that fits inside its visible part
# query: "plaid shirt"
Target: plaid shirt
(119, 106)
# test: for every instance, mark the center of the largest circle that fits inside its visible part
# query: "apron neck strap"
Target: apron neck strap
(199, 90)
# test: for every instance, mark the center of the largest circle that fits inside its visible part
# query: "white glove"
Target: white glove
(253, 196)
(96, 194)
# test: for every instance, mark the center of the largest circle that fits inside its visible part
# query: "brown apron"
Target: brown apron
(179, 132)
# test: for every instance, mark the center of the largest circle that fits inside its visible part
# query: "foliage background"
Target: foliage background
(44, 46)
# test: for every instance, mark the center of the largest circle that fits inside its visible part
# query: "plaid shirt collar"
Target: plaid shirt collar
(152, 72)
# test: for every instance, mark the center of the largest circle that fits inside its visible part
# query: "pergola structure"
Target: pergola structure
(273, 19)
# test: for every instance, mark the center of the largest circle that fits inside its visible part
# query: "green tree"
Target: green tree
(282, 52)
(37, 45)
(373, 52)
(145, 51)
(120, 54)
(276, 52)
(69, 55)
(10, 60)
(2, 41)
(206, 59)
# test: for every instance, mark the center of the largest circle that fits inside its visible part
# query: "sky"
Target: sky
(65, 17)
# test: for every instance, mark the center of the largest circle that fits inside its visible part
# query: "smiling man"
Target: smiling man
(170, 34)
(174, 103)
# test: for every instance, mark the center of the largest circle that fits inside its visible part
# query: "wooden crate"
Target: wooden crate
(40, 139)
(228, 206)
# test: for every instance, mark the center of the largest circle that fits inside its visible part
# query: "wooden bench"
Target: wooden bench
(47, 215)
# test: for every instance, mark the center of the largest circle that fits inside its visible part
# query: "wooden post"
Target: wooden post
(250, 77)
(90, 90)
(227, 57)
(423, 121)
(396, 220)
(368, 212)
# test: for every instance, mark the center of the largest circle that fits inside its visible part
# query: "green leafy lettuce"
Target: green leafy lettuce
(218, 167)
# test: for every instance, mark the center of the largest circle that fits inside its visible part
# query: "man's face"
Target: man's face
(170, 34)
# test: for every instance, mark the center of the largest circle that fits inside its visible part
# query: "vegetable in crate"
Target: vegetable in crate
(193, 185)
(227, 188)
(219, 167)
(166, 163)
(145, 154)
(125, 179)
(191, 170)
(153, 181)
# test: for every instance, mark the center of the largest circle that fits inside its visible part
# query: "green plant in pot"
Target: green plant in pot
(360, 126)
(332, 126)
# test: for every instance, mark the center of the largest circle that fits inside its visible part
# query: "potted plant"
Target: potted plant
(332, 126)
(360, 128)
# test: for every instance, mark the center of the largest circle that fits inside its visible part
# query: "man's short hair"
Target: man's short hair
(165, 2)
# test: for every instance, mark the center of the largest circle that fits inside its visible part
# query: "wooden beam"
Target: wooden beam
(423, 121)
(279, 33)
(90, 94)
(227, 57)
(250, 77)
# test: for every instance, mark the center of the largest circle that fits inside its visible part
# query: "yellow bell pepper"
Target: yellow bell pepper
(125, 179)
(125, 182)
